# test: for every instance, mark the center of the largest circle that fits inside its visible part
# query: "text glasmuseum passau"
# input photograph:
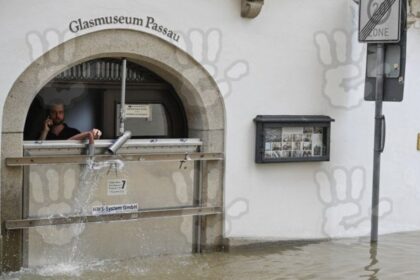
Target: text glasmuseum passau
(150, 23)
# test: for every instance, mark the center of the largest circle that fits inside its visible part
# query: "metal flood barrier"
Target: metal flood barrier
(145, 200)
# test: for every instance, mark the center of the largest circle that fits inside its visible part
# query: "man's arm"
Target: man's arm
(82, 136)
(90, 135)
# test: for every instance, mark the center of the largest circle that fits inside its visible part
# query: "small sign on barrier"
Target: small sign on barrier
(114, 209)
(117, 187)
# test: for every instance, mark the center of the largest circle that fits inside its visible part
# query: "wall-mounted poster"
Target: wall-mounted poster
(294, 142)
(294, 138)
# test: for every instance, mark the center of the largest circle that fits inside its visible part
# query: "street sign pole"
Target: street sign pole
(379, 141)
(382, 22)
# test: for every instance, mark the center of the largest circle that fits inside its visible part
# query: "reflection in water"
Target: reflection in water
(394, 257)
(372, 267)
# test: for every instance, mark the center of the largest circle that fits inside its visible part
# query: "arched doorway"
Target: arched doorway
(204, 111)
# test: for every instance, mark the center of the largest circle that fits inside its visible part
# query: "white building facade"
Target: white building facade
(295, 58)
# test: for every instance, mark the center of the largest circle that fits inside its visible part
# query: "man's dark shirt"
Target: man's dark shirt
(65, 134)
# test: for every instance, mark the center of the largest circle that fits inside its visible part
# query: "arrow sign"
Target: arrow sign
(379, 21)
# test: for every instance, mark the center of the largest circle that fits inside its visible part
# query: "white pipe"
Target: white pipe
(119, 142)
(91, 149)
(122, 109)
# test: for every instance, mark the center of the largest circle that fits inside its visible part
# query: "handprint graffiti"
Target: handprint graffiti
(342, 58)
(39, 46)
(234, 210)
(40, 43)
(343, 77)
(346, 203)
(52, 195)
(206, 47)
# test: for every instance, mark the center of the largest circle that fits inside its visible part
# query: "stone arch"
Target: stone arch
(197, 90)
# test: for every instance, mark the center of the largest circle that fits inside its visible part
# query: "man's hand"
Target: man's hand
(96, 133)
(47, 124)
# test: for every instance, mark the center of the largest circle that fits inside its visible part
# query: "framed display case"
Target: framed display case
(288, 138)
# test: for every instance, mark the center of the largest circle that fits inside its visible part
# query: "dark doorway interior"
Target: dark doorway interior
(91, 95)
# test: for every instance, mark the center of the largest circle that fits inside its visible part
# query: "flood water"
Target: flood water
(396, 256)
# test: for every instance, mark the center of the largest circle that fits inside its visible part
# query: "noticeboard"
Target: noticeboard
(292, 138)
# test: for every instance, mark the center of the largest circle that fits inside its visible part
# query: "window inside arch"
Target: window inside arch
(91, 94)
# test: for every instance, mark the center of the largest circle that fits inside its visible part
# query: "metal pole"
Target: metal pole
(122, 110)
(198, 202)
(378, 144)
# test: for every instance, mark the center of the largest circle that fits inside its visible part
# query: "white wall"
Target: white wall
(286, 76)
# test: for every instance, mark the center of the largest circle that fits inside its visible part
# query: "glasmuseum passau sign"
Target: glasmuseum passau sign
(149, 22)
